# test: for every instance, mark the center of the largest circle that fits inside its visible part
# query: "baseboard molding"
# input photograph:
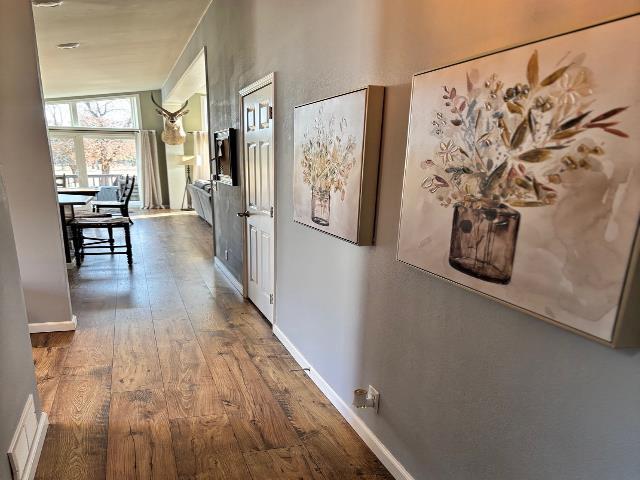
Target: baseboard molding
(229, 276)
(54, 326)
(34, 454)
(373, 442)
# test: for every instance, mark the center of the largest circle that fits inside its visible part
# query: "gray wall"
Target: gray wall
(17, 379)
(470, 389)
(25, 164)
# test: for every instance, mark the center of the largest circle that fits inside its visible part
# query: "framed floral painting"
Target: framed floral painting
(336, 155)
(522, 178)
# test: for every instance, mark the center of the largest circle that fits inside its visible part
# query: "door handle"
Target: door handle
(244, 214)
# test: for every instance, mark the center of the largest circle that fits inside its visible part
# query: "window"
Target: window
(93, 140)
(102, 113)
(111, 113)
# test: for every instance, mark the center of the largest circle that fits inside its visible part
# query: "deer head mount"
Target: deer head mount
(173, 133)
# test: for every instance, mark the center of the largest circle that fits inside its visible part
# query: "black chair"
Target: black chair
(81, 243)
(123, 203)
(61, 180)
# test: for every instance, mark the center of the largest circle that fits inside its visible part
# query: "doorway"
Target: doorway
(257, 107)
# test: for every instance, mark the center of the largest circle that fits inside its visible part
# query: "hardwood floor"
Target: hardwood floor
(172, 374)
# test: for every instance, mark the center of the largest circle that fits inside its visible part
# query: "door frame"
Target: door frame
(257, 85)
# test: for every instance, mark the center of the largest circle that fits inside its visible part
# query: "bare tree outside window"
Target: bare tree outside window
(63, 155)
(111, 113)
(107, 154)
(58, 114)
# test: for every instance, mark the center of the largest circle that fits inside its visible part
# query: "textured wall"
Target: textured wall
(25, 164)
(470, 388)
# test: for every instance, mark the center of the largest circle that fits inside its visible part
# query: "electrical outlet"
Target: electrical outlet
(374, 395)
(226, 254)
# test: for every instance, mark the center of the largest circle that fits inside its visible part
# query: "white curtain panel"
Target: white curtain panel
(201, 153)
(150, 176)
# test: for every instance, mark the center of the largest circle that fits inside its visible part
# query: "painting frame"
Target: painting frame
(626, 326)
(366, 172)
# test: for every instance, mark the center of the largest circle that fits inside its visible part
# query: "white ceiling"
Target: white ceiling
(125, 45)
(193, 80)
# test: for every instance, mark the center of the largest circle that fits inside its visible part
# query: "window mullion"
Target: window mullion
(81, 162)
(74, 114)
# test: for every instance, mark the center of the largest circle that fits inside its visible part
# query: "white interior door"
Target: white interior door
(257, 111)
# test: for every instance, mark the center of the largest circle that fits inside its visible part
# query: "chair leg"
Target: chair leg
(124, 211)
(127, 241)
(77, 244)
(111, 239)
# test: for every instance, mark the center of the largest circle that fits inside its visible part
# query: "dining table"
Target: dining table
(69, 200)
(91, 191)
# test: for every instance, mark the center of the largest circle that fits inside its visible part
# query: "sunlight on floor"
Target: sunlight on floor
(141, 214)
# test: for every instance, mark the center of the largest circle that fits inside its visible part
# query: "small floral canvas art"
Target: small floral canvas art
(522, 176)
(331, 154)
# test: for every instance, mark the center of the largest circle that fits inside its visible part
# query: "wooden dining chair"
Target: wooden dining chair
(85, 245)
(123, 203)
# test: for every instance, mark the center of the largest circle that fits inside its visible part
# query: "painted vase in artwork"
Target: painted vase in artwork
(327, 160)
(504, 147)
(320, 206)
(483, 241)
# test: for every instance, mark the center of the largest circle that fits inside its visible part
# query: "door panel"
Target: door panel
(259, 188)
(253, 254)
(266, 199)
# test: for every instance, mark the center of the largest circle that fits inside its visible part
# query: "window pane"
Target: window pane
(108, 157)
(64, 158)
(110, 113)
(58, 114)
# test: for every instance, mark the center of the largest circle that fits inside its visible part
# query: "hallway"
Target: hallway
(171, 374)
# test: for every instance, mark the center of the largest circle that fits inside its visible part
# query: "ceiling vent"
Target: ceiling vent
(46, 3)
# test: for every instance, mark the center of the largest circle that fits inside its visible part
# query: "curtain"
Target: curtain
(150, 176)
(201, 154)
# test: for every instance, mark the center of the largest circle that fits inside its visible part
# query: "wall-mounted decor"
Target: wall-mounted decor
(173, 133)
(224, 156)
(522, 178)
(336, 154)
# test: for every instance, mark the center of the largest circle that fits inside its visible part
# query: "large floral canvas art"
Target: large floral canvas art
(522, 175)
(336, 150)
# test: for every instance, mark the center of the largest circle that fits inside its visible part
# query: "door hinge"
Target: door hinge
(271, 299)
(270, 112)
(271, 212)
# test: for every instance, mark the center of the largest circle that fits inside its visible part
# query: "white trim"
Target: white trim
(34, 441)
(257, 85)
(34, 454)
(373, 442)
(229, 276)
(54, 326)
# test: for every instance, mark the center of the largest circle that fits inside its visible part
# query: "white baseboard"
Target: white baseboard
(34, 455)
(373, 442)
(54, 326)
(225, 271)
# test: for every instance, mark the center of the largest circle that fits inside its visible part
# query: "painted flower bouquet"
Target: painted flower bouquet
(504, 147)
(328, 158)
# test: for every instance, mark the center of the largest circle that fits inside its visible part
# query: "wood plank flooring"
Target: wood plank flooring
(171, 374)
